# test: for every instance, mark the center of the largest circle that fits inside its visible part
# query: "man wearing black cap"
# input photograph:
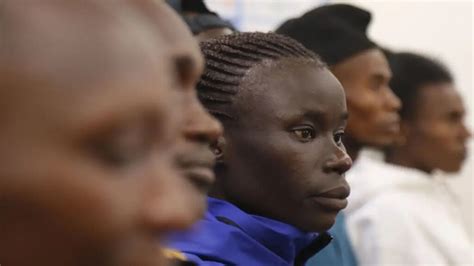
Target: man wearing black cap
(338, 34)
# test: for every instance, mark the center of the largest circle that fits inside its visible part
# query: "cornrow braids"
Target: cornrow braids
(230, 57)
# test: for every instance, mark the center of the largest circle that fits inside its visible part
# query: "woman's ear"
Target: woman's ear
(218, 149)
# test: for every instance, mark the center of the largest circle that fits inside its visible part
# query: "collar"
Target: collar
(371, 177)
(229, 235)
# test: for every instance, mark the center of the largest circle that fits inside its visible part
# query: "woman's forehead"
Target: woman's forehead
(295, 78)
(291, 88)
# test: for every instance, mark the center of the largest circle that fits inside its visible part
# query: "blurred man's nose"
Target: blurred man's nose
(201, 126)
(393, 101)
(466, 133)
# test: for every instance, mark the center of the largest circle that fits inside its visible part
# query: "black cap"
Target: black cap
(205, 22)
(197, 6)
(175, 4)
(204, 19)
(334, 32)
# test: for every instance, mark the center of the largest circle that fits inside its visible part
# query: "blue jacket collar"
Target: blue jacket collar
(233, 237)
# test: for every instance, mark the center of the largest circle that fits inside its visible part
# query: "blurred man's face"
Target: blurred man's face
(436, 135)
(199, 130)
(373, 108)
(88, 122)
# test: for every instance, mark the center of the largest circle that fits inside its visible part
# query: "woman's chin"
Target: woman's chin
(320, 224)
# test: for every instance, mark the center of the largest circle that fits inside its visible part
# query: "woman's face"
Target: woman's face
(89, 120)
(284, 157)
(373, 107)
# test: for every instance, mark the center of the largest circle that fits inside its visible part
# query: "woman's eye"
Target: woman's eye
(338, 137)
(304, 134)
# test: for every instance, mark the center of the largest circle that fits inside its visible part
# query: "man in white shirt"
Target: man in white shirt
(399, 212)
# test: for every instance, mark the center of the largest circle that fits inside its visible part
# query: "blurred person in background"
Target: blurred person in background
(91, 94)
(338, 34)
(203, 23)
(281, 162)
(193, 153)
(400, 212)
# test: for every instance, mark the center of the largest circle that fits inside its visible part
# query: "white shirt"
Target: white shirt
(402, 216)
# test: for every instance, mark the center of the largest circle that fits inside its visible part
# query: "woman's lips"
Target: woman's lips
(330, 204)
(334, 199)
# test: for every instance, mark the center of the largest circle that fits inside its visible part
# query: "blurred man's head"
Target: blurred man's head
(88, 114)
(338, 33)
(433, 133)
(200, 130)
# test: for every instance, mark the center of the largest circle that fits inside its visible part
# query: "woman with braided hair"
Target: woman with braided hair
(281, 162)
